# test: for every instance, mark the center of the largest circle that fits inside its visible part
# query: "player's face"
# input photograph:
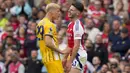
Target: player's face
(56, 14)
(72, 12)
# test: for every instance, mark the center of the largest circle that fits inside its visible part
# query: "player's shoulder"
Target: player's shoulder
(41, 22)
(78, 23)
(45, 22)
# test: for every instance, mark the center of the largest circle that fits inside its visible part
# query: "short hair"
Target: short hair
(23, 15)
(52, 6)
(11, 37)
(78, 6)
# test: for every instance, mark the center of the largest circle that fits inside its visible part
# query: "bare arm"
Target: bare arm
(75, 49)
(67, 50)
(49, 43)
(73, 55)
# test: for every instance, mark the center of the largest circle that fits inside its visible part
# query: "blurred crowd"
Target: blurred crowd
(107, 28)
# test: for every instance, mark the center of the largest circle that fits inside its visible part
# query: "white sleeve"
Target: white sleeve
(21, 69)
(78, 30)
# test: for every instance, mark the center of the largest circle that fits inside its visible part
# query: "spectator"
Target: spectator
(3, 20)
(97, 14)
(110, 16)
(41, 15)
(114, 68)
(63, 30)
(114, 36)
(91, 30)
(34, 14)
(114, 65)
(122, 45)
(33, 64)
(104, 68)
(9, 5)
(3, 6)
(16, 66)
(97, 63)
(7, 56)
(62, 44)
(31, 28)
(106, 3)
(42, 4)
(39, 57)
(100, 50)
(31, 40)
(65, 8)
(90, 50)
(121, 11)
(127, 68)
(117, 56)
(14, 22)
(123, 63)
(10, 43)
(58, 23)
(22, 20)
(21, 7)
(21, 37)
(7, 32)
(61, 35)
(105, 33)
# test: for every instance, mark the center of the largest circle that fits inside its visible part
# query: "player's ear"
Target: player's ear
(78, 13)
(51, 13)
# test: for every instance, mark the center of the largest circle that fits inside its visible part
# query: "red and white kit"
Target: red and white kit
(76, 31)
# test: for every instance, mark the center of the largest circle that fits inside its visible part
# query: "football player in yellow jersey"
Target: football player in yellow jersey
(47, 39)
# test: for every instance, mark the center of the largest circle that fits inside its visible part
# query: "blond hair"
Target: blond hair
(52, 6)
(124, 2)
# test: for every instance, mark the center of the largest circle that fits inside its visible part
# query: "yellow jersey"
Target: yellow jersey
(46, 27)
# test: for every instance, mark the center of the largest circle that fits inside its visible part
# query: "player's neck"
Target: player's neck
(49, 17)
(74, 19)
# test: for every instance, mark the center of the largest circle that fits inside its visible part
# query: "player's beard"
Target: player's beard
(71, 16)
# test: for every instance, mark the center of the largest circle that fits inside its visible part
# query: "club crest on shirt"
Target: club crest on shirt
(50, 28)
(50, 32)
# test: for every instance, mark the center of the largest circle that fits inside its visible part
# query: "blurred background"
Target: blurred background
(107, 28)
